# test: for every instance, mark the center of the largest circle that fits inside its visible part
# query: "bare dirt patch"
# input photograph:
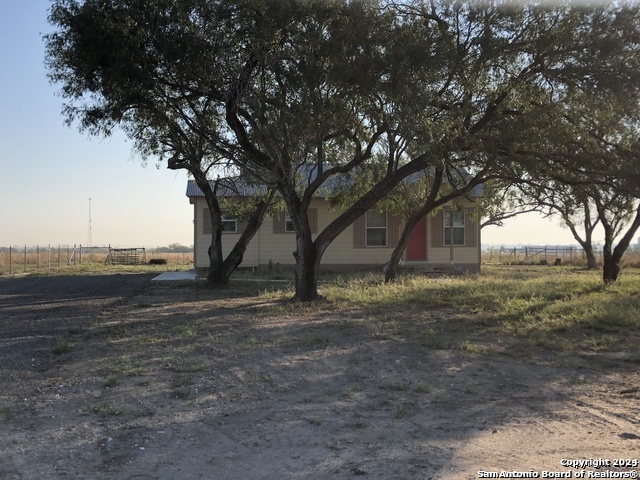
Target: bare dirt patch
(165, 381)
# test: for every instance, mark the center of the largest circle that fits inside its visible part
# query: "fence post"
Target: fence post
(10, 269)
(25, 257)
(68, 257)
(58, 255)
(37, 257)
(49, 258)
(80, 254)
(526, 253)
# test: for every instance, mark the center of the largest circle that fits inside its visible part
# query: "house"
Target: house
(366, 244)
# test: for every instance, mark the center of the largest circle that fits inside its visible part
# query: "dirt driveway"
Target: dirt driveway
(175, 382)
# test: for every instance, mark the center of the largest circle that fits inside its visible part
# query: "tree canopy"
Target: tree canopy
(301, 94)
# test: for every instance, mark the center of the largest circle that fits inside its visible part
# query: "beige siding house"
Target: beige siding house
(366, 244)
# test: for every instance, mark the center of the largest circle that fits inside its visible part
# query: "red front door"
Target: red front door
(417, 246)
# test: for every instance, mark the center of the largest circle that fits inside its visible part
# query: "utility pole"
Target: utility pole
(89, 234)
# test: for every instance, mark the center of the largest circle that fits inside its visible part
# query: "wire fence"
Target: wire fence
(534, 253)
(17, 259)
(550, 255)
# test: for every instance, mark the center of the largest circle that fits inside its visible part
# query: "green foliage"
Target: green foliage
(305, 95)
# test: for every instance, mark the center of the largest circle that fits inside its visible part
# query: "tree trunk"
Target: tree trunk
(307, 269)
(429, 204)
(592, 263)
(611, 258)
(587, 242)
(610, 268)
(235, 257)
(214, 275)
(392, 269)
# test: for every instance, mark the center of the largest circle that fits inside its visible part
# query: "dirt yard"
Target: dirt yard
(112, 377)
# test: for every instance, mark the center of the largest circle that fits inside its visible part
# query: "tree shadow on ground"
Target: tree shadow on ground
(185, 383)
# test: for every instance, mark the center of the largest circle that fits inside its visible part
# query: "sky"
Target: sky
(49, 171)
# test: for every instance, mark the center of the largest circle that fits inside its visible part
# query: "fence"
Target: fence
(569, 254)
(126, 256)
(22, 259)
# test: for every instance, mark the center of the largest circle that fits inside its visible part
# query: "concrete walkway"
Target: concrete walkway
(175, 276)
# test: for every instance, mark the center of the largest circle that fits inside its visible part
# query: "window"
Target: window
(376, 229)
(282, 221)
(288, 224)
(229, 223)
(458, 227)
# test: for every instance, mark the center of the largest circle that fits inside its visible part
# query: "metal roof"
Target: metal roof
(235, 188)
(225, 189)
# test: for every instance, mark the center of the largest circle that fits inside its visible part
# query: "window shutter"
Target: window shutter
(393, 232)
(470, 228)
(278, 222)
(207, 227)
(358, 232)
(437, 230)
(313, 219)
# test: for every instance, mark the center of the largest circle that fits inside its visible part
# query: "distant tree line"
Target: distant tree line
(174, 248)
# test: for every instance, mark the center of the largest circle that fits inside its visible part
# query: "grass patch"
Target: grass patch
(109, 410)
(111, 382)
(6, 412)
(61, 346)
(422, 388)
(317, 340)
(400, 386)
(124, 366)
(471, 390)
(468, 346)
(561, 309)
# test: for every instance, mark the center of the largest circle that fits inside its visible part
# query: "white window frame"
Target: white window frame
(288, 224)
(367, 228)
(447, 228)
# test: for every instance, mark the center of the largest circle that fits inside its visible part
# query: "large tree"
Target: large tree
(304, 92)
(588, 173)
(142, 67)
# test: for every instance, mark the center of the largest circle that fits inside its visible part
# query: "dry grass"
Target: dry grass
(562, 309)
(63, 259)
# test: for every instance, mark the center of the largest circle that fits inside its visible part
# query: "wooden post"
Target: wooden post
(58, 255)
(80, 254)
(37, 257)
(10, 269)
(25, 257)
